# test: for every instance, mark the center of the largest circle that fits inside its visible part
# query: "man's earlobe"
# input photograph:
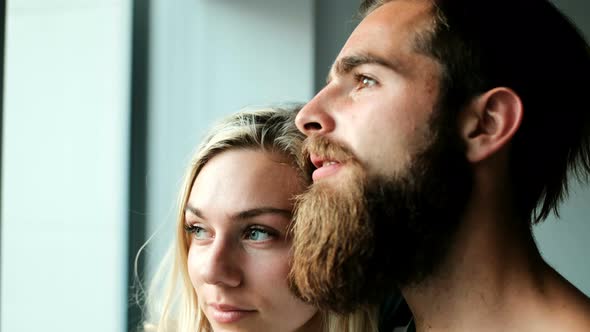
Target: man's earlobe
(489, 122)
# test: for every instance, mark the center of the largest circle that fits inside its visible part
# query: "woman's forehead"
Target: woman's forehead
(240, 180)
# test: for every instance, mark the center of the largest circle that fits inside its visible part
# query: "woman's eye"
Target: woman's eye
(258, 234)
(197, 231)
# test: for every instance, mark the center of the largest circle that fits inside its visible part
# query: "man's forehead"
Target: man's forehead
(388, 35)
(409, 7)
(398, 19)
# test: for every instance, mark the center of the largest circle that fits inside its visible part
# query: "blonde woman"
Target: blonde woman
(227, 270)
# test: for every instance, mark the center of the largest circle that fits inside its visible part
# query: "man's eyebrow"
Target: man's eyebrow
(346, 64)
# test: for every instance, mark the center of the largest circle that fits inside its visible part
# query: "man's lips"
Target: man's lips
(324, 167)
(225, 314)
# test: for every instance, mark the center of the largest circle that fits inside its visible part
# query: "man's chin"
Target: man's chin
(332, 243)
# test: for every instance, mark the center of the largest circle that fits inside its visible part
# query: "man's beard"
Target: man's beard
(358, 240)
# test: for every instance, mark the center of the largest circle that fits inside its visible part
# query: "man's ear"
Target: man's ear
(489, 122)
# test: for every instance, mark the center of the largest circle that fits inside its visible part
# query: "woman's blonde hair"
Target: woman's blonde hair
(171, 303)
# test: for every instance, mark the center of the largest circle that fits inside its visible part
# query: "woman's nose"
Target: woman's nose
(221, 264)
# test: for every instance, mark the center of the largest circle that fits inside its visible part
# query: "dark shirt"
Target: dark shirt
(394, 314)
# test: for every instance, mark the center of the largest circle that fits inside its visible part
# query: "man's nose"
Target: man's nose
(315, 117)
(221, 264)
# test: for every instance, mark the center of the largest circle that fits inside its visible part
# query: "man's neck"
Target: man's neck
(478, 282)
(493, 278)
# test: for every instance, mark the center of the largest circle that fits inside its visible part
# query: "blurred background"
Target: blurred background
(103, 102)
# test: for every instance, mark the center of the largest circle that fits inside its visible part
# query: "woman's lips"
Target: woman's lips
(226, 314)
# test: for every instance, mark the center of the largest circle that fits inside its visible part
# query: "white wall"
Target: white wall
(64, 174)
(211, 58)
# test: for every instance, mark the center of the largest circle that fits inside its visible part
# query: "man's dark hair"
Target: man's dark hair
(532, 48)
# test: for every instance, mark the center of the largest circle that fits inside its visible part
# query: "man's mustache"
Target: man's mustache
(325, 148)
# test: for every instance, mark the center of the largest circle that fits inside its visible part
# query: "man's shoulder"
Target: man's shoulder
(569, 308)
(575, 314)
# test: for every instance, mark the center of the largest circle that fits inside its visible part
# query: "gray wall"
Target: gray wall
(565, 243)
(334, 21)
(64, 165)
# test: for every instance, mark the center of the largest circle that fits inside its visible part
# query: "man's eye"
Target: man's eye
(365, 81)
(258, 234)
(198, 232)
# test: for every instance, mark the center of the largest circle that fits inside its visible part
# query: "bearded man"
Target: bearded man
(445, 131)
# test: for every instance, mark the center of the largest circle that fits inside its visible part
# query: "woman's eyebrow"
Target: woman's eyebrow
(255, 212)
(246, 214)
(194, 210)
